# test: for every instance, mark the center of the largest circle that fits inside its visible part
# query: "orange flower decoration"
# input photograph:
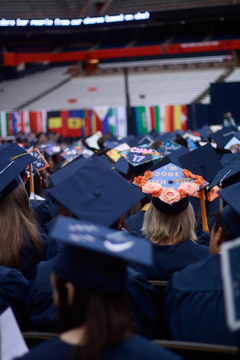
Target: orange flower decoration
(182, 193)
(148, 174)
(157, 193)
(199, 180)
(140, 181)
(186, 173)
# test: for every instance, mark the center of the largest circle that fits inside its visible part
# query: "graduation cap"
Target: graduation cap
(127, 139)
(16, 153)
(202, 161)
(227, 176)
(230, 158)
(233, 145)
(74, 150)
(205, 132)
(140, 157)
(9, 179)
(94, 256)
(96, 193)
(58, 176)
(230, 270)
(121, 166)
(170, 186)
(231, 212)
(222, 137)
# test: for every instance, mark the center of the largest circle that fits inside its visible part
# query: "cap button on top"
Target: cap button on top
(97, 192)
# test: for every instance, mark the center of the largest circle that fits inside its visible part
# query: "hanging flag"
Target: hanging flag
(55, 123)
(141, 118)
(75, 124)
(25, 121)
(153, 118)
(38, 121)
(16, 122)
(88, 122)
(117, 121)
(4, 124)
(102, 114)
(184, 117)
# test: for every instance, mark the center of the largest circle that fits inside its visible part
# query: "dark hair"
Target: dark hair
(227, 234)
(106, 318)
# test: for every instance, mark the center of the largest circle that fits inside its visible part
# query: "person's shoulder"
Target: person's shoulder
(203, 275)
(53, 349)
(137, 347)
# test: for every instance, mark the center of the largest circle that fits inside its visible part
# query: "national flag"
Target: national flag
(153, 118)
(141, 118)
(93, 122)
(55, 122)
(4, 124)
(121, 121)
(88, 122)
(173, 117)
(38, 121)
(25, 121)
(75, 124)
(102, 114)
(16, 122)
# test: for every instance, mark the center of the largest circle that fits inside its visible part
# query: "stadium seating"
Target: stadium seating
(14, 93)
(150, 88)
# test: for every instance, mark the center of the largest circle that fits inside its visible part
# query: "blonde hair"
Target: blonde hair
(169, 229)
(17, 225)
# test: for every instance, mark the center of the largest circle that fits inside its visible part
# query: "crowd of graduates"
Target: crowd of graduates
(87, 226)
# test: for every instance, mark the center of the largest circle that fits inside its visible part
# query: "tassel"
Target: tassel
(31, 180)
(203, 211)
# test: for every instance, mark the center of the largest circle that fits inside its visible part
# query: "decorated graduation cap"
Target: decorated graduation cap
(230, 270)
(96, 193)
(231, 212)
(140, 158)
(170, 186)
(74, 150)
(94, 256)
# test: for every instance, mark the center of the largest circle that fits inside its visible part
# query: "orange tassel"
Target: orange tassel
(31, 180)
(203, 211)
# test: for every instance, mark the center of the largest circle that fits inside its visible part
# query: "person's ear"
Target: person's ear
(70, 293)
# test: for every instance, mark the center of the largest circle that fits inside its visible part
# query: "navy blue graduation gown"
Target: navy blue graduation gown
(28, 255)
(170, 258)
(43, 211)
(13, 293)
(194, 306)
(142, 297)
(135, 222)
(134, 348)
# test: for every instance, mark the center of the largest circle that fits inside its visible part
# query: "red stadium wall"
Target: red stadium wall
(14, 59)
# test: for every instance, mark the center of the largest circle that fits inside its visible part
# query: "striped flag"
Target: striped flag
(117, 121)
(153, 118)
(38, 121)
(25, 121)
(4, 124)
(102, 114)
(75, 124)
(174, 117)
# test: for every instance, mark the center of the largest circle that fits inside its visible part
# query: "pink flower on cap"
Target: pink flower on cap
(170, 196)
(190, 188)
(150, 187)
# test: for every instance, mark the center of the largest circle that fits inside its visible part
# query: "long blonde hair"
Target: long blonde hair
(169, 229)
(17, 225)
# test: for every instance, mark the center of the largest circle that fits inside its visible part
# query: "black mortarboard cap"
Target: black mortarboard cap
(97, 193)
(202, 161)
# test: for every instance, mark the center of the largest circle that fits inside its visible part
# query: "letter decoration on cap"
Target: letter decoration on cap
(170, 185)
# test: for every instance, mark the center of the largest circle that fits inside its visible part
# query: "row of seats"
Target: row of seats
(13, 93)
(152, 88)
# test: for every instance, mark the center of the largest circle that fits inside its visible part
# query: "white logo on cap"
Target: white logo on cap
(82, 238)
(82, 228)
(118, 247)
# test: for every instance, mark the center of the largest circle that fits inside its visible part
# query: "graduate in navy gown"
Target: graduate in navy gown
(194, 304)
(89, 290)
(169, 225)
